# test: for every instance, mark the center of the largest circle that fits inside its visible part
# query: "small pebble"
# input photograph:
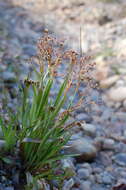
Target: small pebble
(107, 178)
(89, 129)
(98, 178)
(68, 184)
(97, 170)
(84, 148)
(83, 173)
(108, 144)
(120, 159)
(85, 165)
(85, 185)
(84, 117)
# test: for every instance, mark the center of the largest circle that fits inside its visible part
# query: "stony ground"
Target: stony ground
(102, 140)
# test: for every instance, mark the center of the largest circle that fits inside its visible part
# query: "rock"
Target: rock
(101, 71)
(84, 117)
(92, 178)
(77, 134)
(77, 180)
(85, 185)
(83, 173)
(2, 144)
(98, 142)
(124, 133)
(107, 178)
(106, 158)
(120, 159)
(89, 129)
(1, 186)
(100, 62)
(117, 105)
(98, 187)
(106, 83)
(104, 19)
(120, 182)
(120, 83)
(117, 94)
(98, 178)
(8, 76)
(108, 144)
(97, 170)
(123, 174)
(84, 149)
(85, 165)
(121, 115)
(107, 113)
(68, 184)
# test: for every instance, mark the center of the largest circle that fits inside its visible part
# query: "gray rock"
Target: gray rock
(89, 129)
(84, 117)
(108, 144)
(8, 76)
(124, 133)
(77, 135)
(98, 178)
(98, 141)
(97, 187)
(85, 165)
(107, 178)
(97, 170)
(84, 149)
(1, 186)
(92, 178)
(68, 184)
(106, 114)
(120, 83)
(117, 94)
(83, 173)
(85, 185)
(120, 159)
(123, 174)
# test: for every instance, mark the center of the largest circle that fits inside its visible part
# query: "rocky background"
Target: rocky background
(101, 140)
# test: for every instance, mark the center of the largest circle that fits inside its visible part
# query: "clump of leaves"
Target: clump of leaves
(39, 130)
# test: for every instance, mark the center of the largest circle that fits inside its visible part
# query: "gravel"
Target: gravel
(19, 31)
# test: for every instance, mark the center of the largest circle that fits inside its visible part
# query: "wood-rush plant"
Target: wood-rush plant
(42, 132)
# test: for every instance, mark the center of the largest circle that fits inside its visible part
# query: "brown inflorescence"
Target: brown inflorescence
(80, 68)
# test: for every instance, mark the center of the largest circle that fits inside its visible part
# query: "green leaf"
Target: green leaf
(7, 160)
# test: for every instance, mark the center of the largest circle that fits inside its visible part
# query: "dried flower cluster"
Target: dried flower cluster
(79, 69)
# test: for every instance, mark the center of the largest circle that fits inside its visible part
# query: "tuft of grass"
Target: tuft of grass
(39, 130)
